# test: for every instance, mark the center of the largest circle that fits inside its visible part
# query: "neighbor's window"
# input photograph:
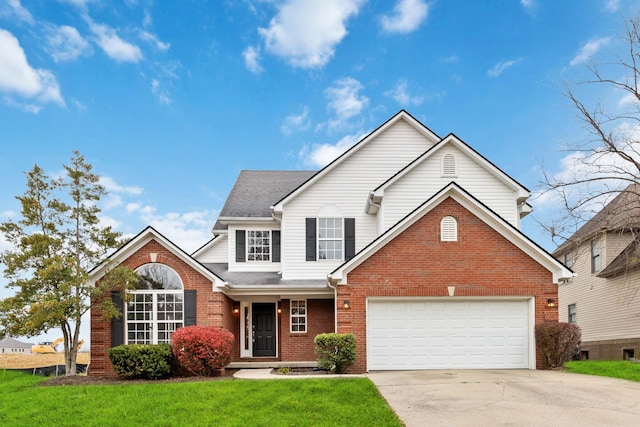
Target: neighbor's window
(298, 316)
(258, 245)
(568, 259)
(572, 313)
(330, 238)
(595, 256)
(449, 229)
(156, 309)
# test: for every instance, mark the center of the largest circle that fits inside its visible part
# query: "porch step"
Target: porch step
(272, 364)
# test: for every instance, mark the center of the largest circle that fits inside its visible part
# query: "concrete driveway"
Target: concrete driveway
(508, 398)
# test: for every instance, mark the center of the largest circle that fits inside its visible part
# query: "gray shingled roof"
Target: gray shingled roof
(256, 191)
(623, 212)
(13, 343)
(259, 278)
(628, 260)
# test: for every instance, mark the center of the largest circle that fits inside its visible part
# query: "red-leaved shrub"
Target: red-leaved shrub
(558, 342)
(202, 350)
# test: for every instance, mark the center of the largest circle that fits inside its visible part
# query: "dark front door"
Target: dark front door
(264, 329)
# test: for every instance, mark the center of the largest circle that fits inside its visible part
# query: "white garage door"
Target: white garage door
(428, 334)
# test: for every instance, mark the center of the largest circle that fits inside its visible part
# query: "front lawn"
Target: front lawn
(606, 368)
(299, 402)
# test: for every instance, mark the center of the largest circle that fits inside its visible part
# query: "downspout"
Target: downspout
(335, 303)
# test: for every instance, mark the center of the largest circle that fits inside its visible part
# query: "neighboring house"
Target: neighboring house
(13, 346)
(604, 297)
(407, 240)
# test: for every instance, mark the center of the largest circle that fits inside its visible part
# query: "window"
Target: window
(298, 316)
(595, 256)
(258, 245)
(572, 313)
(449, 229)
(568, 259)
(330, 238)
(449, 165)
(156, 309)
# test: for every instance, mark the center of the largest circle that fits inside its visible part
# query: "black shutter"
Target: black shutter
(311, 239)
(117, 323)
(240, 246)
(275, 246)
(189, 308)
(349, 238)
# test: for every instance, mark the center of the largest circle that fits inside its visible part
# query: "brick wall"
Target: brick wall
(213, 308)
(417, 263)
(299, 347)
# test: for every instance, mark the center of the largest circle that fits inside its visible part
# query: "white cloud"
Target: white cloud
(612, 5)
(406, 17)
(252, 59)
(188, 230)
(320, 155)
(115, 47)
(402, 96)
(13, 8)
(296, 122)
(161, 94)
(153, 39)
(133, 207)
(82, 4)
(66, 44)
(17, 77)
(527, 4)
(589, 50)
(306, 32)
(345, 100)
(112, 186)
(501, 67)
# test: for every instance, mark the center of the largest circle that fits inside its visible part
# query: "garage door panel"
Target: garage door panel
(447, 334)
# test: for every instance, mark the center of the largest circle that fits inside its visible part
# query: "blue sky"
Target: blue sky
(169, 100)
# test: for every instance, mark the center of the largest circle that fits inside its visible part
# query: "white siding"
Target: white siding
(249, 265)
(605, 308)
(425, 179)
(217, 252)
(347, 186)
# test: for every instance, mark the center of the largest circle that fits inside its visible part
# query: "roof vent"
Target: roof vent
(449, 165)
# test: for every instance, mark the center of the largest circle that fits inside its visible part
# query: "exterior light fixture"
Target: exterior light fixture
(236, 310)
(347, 304)
(279, 309)
(551, 303)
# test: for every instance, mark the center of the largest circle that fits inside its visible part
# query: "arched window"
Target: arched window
(449, 165)
(156, 309)
(449, 229)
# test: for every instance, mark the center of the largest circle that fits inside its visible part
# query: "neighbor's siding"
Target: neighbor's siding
(606, 309)
(347, 187)
(425, 179)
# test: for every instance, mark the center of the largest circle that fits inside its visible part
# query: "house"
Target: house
(408, 240)
(10, 345)
(603, 298)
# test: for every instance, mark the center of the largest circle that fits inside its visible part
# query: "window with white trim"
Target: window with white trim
(572, 313)
(156, 309)
(449, 229)
(298, 316)
(258, 245)
(330, 238)
(449, 165)
(568, 259)
(595, 255)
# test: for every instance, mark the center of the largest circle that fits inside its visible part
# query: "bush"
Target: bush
(201, 350)
(335, 352)
(558, 342)
(135, 361)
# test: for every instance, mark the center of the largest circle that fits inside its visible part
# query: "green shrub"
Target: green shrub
(202, 350)
(135, 361)
(557, 342)
(336, 352)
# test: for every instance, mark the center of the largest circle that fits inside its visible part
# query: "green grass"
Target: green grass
(299, 402)
(606, 368)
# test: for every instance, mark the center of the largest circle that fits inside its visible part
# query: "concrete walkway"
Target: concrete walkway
(509, 398)
(266, 374)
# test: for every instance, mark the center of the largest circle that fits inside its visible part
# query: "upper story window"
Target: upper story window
(595, 255)
(449, 229)
(330, 238)
(568, 259)
(258, 245)
(449, 167)
(156, 309)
